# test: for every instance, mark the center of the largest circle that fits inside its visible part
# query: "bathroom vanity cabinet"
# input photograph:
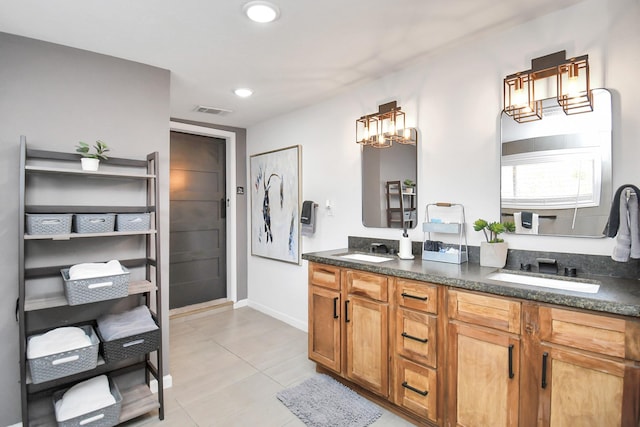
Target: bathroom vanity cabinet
(444, 356)
(348, 312)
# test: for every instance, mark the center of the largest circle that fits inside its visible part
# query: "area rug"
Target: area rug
(321, 401)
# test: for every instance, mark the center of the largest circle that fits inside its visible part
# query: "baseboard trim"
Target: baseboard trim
(167, 383)
(280, 316)
(241, 303)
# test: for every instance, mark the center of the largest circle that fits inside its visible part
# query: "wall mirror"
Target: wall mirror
(386, 201)
(556, 172)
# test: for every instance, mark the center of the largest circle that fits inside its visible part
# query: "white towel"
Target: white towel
(122, 325)
(535, 222)
(94, 269)
(634, 226)
(84, 397)
(57, 341)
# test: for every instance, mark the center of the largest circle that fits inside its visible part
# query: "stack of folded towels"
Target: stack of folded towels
(122, 325)
(83, 398)
(90, 270)
(57, 340)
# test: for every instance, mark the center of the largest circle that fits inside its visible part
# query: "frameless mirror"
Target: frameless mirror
(387, 200)
(556, 172)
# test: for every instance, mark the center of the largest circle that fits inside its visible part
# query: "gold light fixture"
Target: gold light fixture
(572, 87)
(383, 128)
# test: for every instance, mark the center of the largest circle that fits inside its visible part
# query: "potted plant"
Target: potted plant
(90, 161)
(493, 252)
(409, 185)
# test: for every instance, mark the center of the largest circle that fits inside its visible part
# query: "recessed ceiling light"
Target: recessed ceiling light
(243, 92)
(261, 11)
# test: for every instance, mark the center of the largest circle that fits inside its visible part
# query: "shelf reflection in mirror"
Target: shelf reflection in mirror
(556, 172)
(386, 201)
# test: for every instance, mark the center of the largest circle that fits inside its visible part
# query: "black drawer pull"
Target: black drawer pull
(423, 393)
(422, 340)
(511, 374)
(346, 311)
(406, 295)
(335, 307)
(545, 356)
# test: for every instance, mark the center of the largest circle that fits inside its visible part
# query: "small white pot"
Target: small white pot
(493, 254)
(89, 164)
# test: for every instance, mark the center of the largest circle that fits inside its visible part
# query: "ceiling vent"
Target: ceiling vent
(212, 110)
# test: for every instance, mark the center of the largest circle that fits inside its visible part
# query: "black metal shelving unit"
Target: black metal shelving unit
(138, 399)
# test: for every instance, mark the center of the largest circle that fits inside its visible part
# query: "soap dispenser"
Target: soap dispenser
(405, 246)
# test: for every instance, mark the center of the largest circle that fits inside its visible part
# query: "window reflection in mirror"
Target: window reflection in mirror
(387, 202)
(556, 172)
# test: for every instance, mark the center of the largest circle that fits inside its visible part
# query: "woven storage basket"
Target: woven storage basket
(94, 223)
(48, 223)
(70, 362)
(83, 291)
(132, 346)
(104, 417)
(133, 222)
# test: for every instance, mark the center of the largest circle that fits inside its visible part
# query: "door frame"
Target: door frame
(230, 178)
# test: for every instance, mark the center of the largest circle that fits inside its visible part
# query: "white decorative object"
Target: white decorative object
(493, 254)
(89, 164)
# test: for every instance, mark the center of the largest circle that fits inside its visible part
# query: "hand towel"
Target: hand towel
(84, 397)
(90, 270)
(520, 229)
(634, 225)
(126, 324)
(56, 341)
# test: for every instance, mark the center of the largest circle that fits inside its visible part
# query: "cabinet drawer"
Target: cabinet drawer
(591, 332)
(416, 336)
(415, 388)
(417, 295)
(368, 285)
(324, 275)
(494, 312)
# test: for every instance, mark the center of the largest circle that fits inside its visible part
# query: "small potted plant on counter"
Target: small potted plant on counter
(91, 161)
(409, 185)
(493, 252)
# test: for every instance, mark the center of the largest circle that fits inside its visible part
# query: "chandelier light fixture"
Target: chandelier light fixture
(382, 129)
(555, 75)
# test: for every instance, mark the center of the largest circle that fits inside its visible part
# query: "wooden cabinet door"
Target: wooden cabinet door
(483, 377)
(325, 318)
(588, 391)
(367, 360)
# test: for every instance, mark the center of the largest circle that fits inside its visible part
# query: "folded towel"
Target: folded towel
(84, 397)
(90, 270)
(122, 325)
(519, 218)
(56, 341)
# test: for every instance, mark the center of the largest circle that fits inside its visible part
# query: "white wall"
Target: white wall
(454, 97)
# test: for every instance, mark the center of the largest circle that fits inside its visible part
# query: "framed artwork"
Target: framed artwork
(275, 204)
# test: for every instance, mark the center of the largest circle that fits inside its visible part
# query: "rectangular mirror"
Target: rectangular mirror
(556, 172)
(387, 202)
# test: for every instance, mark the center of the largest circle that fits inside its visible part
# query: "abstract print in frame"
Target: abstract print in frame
(275, 204)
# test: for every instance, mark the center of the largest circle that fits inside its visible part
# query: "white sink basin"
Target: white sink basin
(545, 282)
(366, 257)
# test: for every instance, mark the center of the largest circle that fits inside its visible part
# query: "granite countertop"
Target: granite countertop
(616, 296)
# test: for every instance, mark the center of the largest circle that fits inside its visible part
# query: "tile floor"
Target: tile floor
(228, 365)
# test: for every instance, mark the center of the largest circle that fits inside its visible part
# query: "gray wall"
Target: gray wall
(57, 96)
(241, 202)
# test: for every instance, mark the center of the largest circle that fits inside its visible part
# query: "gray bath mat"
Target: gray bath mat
(322, 401)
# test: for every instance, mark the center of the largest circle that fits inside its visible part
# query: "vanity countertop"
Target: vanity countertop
(616, 296)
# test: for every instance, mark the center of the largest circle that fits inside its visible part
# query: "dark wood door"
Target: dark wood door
(198, 224)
